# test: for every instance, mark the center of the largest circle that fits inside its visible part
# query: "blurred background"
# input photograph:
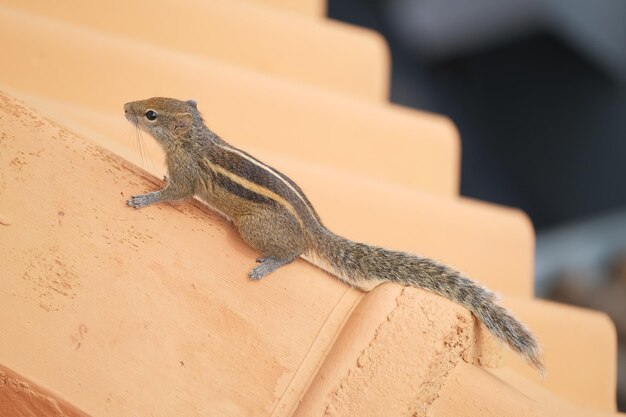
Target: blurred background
(537, 89)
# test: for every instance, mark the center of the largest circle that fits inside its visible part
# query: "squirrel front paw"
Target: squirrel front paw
(139, 201)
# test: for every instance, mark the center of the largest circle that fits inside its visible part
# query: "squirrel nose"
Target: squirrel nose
(129, 114)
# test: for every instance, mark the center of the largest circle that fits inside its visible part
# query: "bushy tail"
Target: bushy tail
(359, 264)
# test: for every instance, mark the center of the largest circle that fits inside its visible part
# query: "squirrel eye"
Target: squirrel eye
(151, 115)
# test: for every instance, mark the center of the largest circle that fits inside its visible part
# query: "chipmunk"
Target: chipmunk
(273, 215)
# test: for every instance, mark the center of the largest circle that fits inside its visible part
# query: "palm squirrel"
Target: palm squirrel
(273, 215)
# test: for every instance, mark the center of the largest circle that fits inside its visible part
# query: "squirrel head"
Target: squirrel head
(168, 120)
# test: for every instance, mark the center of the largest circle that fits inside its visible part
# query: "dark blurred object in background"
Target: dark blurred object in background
(537, 89)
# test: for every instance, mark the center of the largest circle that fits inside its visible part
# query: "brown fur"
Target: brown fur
(274, 216)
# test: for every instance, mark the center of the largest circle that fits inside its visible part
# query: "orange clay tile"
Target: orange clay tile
(580, 348)
(321, 52)
(472, 391)
(315, 8)
(20, 397)
(406, 353)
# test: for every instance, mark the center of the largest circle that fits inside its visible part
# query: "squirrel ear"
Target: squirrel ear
(193, 103)
(181, 123)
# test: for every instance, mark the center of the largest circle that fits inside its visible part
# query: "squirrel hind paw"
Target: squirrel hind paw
(268, 265)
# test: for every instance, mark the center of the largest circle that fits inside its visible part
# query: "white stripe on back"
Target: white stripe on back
(271, 171)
